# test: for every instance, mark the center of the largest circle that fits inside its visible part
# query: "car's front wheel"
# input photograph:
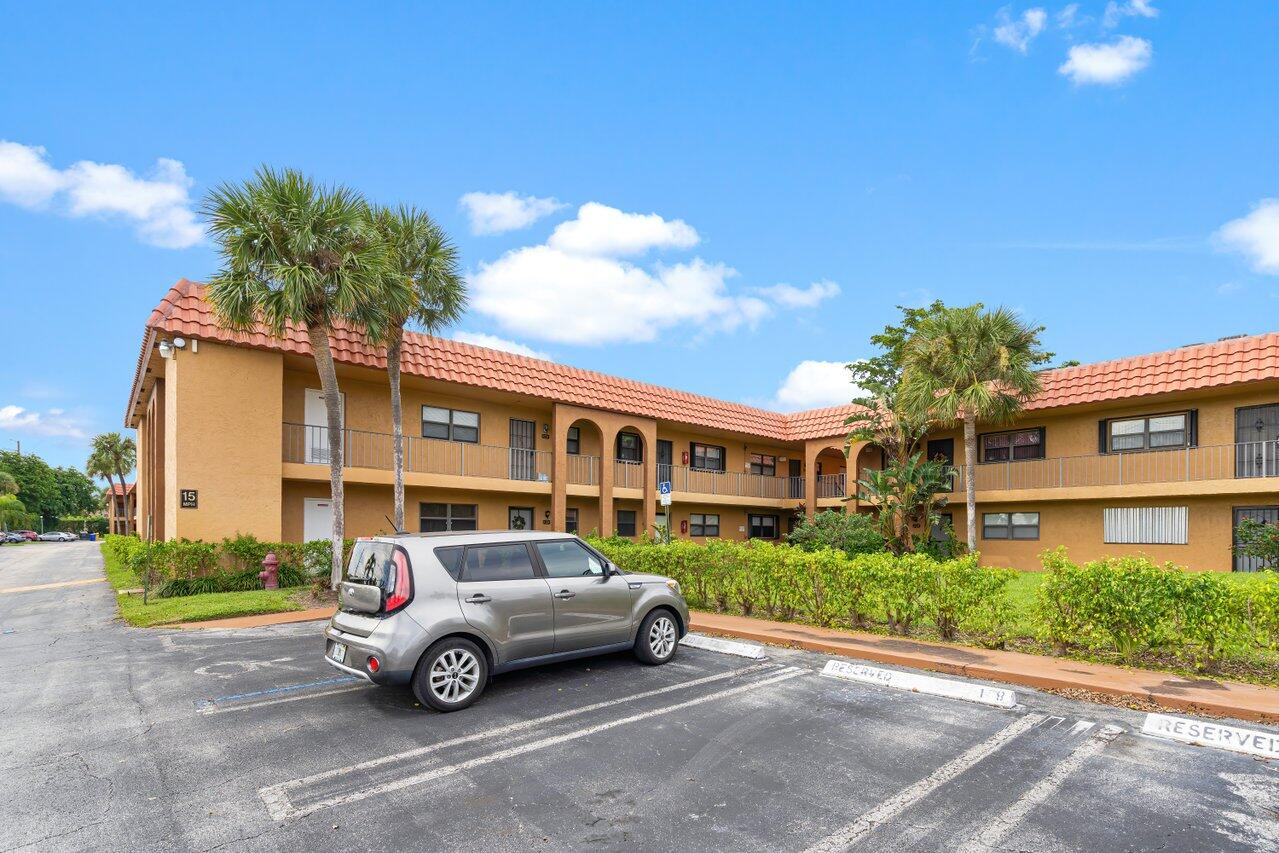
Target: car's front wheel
(451, 675)
(658, 638)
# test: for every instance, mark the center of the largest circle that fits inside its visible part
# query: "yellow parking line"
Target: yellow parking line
(51, 585)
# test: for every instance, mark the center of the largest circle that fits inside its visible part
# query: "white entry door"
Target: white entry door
(317, 426)
(317, 519)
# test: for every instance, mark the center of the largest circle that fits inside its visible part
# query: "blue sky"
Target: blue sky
(1104, 170)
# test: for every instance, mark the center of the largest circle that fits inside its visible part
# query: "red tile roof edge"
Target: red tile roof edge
(183, 311)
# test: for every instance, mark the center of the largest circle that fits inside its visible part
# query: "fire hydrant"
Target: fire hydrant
(270, 574)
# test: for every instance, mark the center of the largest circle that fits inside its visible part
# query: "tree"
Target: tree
(118, 454)
(850, 532)
(36, 483)
(1260, 540)
(77, 493)
(906, 497)
(426, 287)
(97, 465)
(8, 485)
(296, 254)
(13, 515)
(968, 364)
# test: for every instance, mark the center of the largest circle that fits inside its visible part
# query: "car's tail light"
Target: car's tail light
(402, 592)
(373, 664)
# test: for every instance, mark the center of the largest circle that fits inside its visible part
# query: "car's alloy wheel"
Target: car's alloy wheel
(661, 637)
(454, 675)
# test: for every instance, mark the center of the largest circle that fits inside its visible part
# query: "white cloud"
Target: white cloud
(1229, 288)
(483, 339)
(497, 213)
(1018, 33)
(1106, 63)
(1068, 17)
(814, 384)
(1116, 12)
(158, 205)
(1256, 236)
(602, 230)
(575, 289)
(54, 422)
(790, 296)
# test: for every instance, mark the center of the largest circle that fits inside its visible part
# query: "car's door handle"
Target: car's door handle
(478, 598)
(565, 594)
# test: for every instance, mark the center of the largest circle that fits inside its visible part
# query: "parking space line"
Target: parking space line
(727, 647)
(276, 797)
(904, 799)
(209, 710)
(1011, 817)
(55, 585)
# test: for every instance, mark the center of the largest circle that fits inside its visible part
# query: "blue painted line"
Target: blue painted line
(346, 679)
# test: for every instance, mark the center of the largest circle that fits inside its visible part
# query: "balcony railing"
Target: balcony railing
(628, 475)
(1245, 460)
(310, 445)
(699, 481)
(830, 486)
(583, 470)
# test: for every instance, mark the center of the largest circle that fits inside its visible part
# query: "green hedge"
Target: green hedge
(1134, 606)
(185, 567)
(1125, 606)
(827, 587)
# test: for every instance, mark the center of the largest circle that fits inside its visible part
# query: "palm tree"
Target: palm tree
(296, 254)
(97, 466)
(426, 269)
(968, 364)
(114, 453)
(8, 485)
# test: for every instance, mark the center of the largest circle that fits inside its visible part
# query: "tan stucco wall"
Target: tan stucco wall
(222, 438)
(1078, 526)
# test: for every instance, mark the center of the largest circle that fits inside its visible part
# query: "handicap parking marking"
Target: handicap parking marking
(280, 804)
(274, 695)
(1214, 735)
(997, 697)
(723, 646)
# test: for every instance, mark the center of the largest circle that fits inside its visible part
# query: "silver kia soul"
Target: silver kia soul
(446, 611)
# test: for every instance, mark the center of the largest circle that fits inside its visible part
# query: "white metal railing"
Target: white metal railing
(361, 449)
(627, 474)
(830, 486)
(1245, 460)
(583, 470)
(699, 481)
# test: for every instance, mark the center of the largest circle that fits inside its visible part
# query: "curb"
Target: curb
(1095, 682)
(287, 617)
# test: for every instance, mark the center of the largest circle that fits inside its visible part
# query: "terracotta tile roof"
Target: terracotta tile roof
(1190, 368)
(183, 311)
(115, 488)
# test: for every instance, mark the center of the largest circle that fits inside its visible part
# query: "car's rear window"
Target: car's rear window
(451, 559)
(371, 564)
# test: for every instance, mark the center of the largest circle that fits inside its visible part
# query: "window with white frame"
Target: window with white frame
(1157, 432)
(1146, 525)
(450, 424)
(1010, 525)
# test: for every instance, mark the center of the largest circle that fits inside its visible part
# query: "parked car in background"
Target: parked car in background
(12, 536)
(56, 536)
(443, 612)
(29, 535)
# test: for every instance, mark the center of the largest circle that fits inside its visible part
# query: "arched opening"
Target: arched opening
(630, 452)
(582, 448)
(832, 473)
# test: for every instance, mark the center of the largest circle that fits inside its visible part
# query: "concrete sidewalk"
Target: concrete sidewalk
(1227, 698)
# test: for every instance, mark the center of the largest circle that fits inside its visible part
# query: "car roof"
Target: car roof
(475, 537)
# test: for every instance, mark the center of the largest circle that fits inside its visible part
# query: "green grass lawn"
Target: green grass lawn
(120, 577)
(214, 605)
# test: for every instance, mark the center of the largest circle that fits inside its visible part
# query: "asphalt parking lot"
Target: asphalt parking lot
(118, 738)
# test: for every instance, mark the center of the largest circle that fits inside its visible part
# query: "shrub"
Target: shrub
(903, 584)
(850, 532)
(1208, 611)
(959, 589)
(1261, 609)
(1060, 601)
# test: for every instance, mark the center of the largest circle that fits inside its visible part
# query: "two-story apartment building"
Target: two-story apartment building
(1159, 454)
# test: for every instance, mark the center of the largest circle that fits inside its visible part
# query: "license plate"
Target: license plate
(337, 652)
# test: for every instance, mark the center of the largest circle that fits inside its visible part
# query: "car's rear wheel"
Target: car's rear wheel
(658, 638)
(451, 675)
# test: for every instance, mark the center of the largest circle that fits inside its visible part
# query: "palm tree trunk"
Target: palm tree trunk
(397, 422)
(319, 338)
(970, 468)
(110, 499)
